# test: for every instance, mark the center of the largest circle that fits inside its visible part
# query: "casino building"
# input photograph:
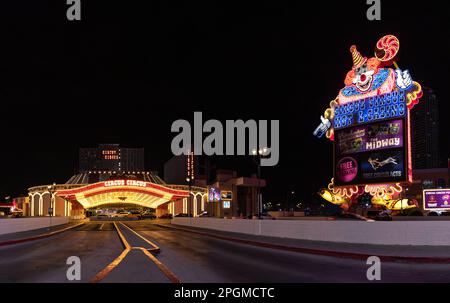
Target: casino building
(111, 176)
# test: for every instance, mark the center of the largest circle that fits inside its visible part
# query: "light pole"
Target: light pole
(189, 179)
(51, 190)
(287, 198)
(258, 154)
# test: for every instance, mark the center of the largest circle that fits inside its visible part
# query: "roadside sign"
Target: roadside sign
(436, 199)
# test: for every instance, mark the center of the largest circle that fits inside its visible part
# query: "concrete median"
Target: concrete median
(418, 233)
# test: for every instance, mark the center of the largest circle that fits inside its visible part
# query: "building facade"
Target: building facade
(113, 177)
(109, 175)
(111, 157)
(425, 132)
(237, 195)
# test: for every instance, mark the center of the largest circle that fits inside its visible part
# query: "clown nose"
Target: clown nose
(362, 77)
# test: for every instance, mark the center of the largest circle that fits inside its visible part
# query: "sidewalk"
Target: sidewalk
(29, 235)
(417, 254)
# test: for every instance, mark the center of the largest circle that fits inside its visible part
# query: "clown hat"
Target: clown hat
(358, 60)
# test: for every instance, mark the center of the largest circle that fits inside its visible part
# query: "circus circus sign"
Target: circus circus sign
(125, 182)
(369, 121)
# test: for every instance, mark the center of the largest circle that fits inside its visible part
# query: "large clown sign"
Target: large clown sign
(369, 124)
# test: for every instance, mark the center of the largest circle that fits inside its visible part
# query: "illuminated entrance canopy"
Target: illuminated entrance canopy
(122, 191)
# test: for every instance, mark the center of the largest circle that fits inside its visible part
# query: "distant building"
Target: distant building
(110, 176)
(176, 170)
(111, 157)
(425, 132)
(237, 195)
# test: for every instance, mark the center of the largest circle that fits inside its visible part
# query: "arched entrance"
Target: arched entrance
(122, 192)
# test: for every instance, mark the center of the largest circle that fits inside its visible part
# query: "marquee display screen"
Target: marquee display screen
(214, 194)
(227, 195)
(436, 199)
(370, 141)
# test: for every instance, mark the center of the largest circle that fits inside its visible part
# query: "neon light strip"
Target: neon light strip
(410, 175)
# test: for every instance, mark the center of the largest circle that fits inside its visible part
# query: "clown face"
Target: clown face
(363, 78)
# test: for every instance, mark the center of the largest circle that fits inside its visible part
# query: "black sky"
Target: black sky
(129, 69)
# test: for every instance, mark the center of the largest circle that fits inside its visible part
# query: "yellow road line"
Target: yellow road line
(64, 229)
(147, 249)
(104, 272)
(101, 226)
(122, 237)
(162, 267)
(143, 238)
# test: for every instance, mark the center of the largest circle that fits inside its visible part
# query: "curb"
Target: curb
(321, 252)
(42, 236)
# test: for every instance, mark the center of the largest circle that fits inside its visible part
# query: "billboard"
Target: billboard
(436, 199)
(213, 194)
(372, 137)
(227, 195)
(370, 141)
(369, 124)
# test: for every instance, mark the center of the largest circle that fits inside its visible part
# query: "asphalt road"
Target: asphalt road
(185, 257)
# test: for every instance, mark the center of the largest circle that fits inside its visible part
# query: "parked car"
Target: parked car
(134, 214)
(415, 212)
(182, 215)
(121, 214)
(204, 214)
(148, 215)
(266, 216)
(352, 216)
(17, 213)
(165, 216)
(102, 216)
(379, 215)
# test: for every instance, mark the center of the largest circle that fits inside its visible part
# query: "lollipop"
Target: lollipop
(387, 49)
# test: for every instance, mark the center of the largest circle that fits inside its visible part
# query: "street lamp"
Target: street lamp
(51, 190)
(189, 180)
(257, 155)
(287, 198)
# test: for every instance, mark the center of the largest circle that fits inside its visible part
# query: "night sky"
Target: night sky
(128, 70)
